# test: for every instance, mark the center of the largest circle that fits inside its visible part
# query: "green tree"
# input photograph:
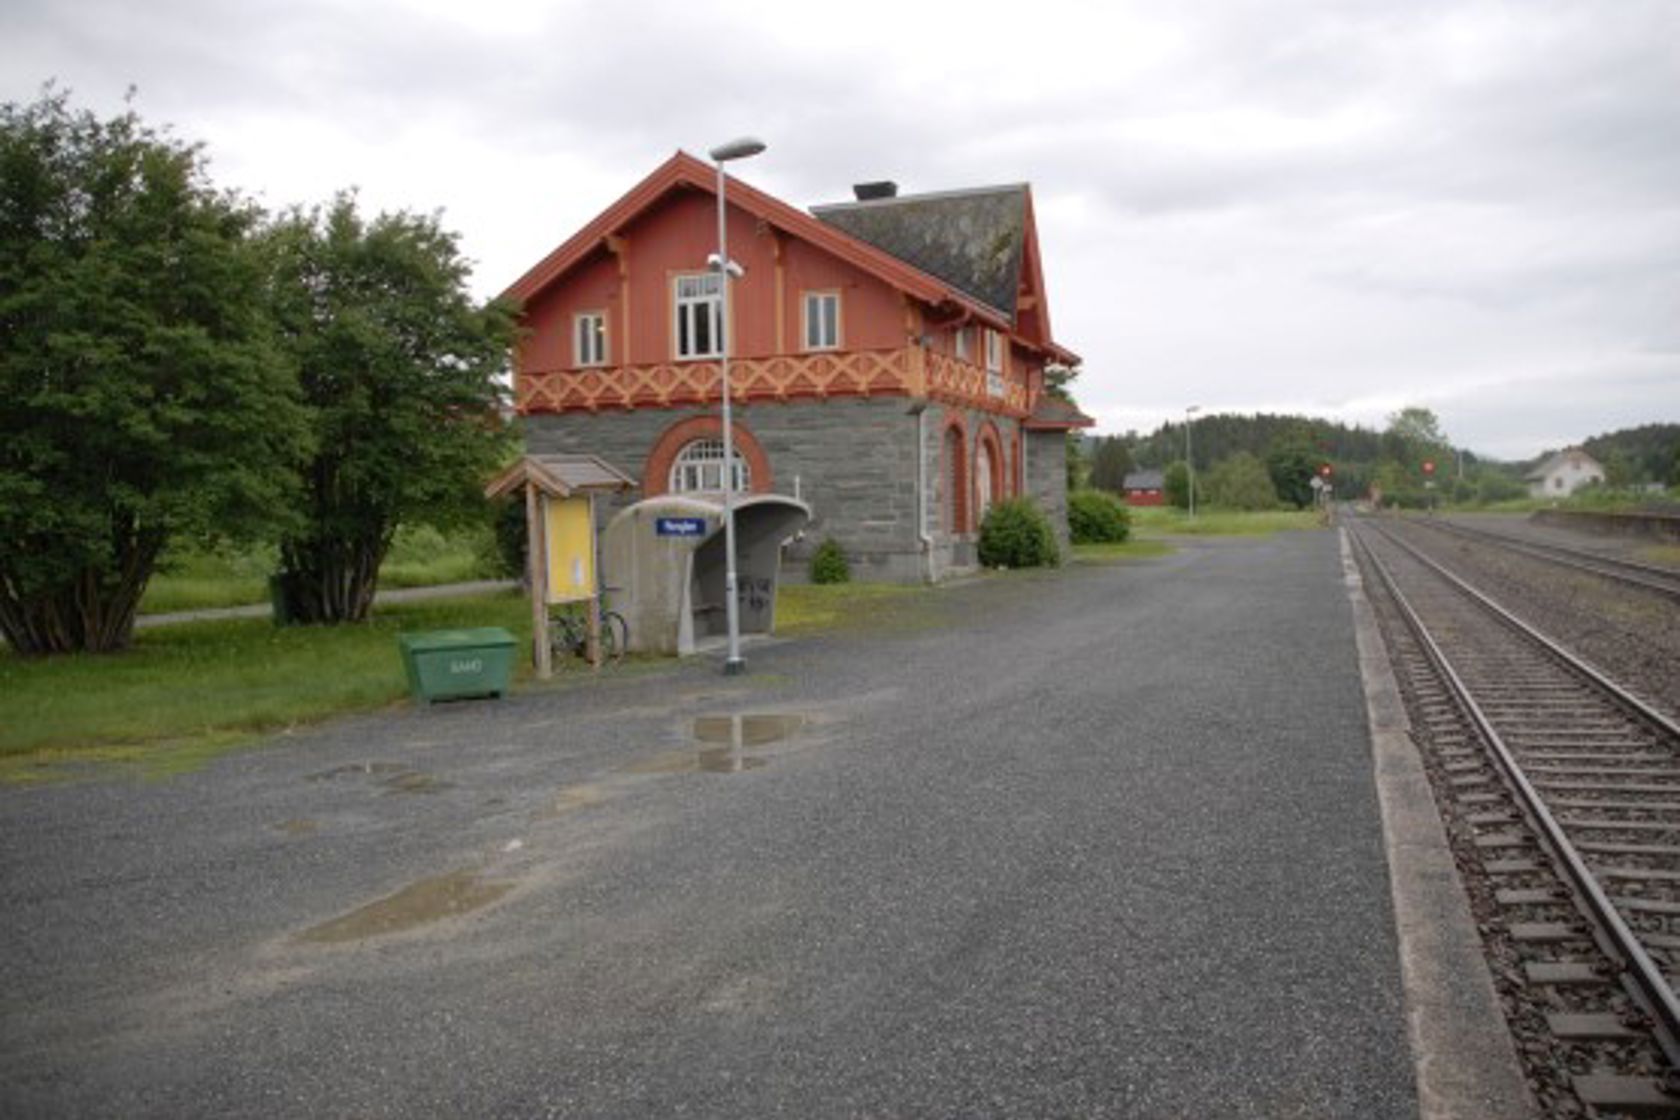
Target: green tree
(1175, 481)
(399, 370)
(141, 397)
(1110, 464)
(1241, 482)
(1291, 462)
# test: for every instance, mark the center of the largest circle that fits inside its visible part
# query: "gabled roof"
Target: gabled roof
(560, 476)
(1557, 459)
(685, 171)
(1052, 414)
(971, 239)
(1144, 480)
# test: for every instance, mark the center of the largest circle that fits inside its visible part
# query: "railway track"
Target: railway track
(1562, 792)
(1651, 577)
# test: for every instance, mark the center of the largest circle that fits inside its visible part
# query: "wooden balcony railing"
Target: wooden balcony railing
(909, 371)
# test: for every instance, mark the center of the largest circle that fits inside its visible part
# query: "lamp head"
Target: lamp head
(741, 148)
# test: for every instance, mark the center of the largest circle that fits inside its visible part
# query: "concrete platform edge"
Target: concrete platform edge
(1466, 1060)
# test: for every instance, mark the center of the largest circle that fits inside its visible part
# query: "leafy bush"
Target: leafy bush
(1016, 534)
(1098, 517)
(1241, 482)
(828, 564)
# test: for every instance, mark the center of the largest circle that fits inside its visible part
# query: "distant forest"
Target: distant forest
(1289, 449)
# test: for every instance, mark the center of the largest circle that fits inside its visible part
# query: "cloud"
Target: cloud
(1329, 204)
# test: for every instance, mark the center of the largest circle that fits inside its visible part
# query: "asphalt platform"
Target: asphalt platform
(1098, 842)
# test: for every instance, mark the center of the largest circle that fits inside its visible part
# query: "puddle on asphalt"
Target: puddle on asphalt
(746, 730)
(413, 781)
(418, 904)
(298, 826)
(713, 760)
(727, 739)
(360, 769)
(395, 777)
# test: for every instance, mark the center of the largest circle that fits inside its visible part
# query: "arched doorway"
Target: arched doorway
(956, 479)
(990, 484)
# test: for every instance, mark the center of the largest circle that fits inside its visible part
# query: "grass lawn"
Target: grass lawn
(808, 608)
(1133, 549)
(185, 693)
(1164, 521)
(419, 557)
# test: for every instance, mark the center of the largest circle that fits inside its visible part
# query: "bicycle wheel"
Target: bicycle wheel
(615, 637)
(566, 637)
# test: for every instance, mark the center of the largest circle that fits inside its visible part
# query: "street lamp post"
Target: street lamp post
(1189, 462)
(743, 148)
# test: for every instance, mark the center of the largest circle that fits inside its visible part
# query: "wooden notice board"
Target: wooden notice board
(570, 537)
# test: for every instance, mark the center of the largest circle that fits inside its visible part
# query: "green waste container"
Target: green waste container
(449, 664)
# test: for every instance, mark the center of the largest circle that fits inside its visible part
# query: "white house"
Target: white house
(1562, 473)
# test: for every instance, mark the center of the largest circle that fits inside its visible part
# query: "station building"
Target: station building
(887, 362)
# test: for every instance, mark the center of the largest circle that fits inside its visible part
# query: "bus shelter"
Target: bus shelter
(668, 557)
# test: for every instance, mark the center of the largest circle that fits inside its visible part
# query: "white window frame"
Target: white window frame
(960, 344)
(698, 468)
(994, 350)
(828, 339)
(696, 298)
(589, 338)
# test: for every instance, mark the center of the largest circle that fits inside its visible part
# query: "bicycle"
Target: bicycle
(568, 633)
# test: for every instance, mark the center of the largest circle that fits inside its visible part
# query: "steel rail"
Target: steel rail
(1649, 986)
(1652, 577)
(1572, 660)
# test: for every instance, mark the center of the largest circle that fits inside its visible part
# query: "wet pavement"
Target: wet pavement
(1097, 842)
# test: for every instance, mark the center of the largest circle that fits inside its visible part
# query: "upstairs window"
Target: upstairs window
(589, 339)
(699, 315)
(698, 469)
(822, 320)
(994, 364)
(960, 344)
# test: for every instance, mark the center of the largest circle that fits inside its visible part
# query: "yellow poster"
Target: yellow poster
(571, 549)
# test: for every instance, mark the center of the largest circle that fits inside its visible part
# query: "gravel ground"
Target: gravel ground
(1101, 842)
(1631, 634)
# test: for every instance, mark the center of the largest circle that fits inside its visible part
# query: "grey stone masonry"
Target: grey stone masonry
(1047, 480)
(853, 461)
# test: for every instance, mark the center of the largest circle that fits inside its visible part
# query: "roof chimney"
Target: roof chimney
(882, 188)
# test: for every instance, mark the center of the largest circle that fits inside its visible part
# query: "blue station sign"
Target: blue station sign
(679, 526)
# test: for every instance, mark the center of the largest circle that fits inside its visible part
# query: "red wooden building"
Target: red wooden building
(887, 358)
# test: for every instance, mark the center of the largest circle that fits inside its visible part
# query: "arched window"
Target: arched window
(698, 468)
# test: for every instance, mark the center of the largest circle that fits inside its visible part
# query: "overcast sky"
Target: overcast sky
(1335, 208)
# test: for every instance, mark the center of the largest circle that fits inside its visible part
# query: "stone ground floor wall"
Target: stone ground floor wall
(852, 461)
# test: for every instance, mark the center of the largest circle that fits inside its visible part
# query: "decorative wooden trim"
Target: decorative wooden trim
(619, 246)
(830, 373)
(656, 475)
(781, 292)
(957, 382)
(912, 371)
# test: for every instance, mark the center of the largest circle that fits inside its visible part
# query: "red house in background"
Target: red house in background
(1145, 488)
(887, 358)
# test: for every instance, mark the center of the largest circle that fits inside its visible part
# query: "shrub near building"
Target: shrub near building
(1016, 534)
(1097, 517)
